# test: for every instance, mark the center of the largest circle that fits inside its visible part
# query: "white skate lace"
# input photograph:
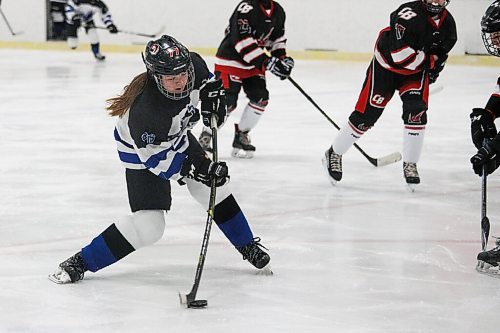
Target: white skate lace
(334, 161)
(410, 170)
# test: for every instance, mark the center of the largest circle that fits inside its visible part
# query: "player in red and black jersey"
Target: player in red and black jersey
(409, 55)
(256, 28)
(484, 133)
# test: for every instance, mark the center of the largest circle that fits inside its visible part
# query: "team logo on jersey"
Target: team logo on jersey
(400, 31)
(148, 137)
(416, 119)
(154, 49)
(378, 99)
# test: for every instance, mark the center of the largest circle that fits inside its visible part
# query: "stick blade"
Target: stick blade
(389, 159)
(485, 232)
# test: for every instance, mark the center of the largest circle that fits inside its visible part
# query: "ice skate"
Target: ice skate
(242, 147)
(99, 56)
(69, 271)
(410, 173)
(332, 162)
(255, 255)
(205, 141)
(488, 262)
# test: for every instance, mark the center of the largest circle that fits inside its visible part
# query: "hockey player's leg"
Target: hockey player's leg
(141, 229)
(256, 91)
(72, 37)
(415, 119)
(351, 132)
(94, 42)
(232, 222)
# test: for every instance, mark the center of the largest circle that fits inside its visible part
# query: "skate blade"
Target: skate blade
(59, 279)
(265, 271)
(411, 187)
(487, 269)
(240, 153)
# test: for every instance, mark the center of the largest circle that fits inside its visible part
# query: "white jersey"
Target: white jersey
(85, 10)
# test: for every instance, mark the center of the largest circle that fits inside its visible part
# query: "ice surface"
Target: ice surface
(364, 256)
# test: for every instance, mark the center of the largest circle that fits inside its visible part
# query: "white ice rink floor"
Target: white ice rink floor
(365, 256)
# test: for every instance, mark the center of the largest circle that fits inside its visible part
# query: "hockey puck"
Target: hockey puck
(198, 304)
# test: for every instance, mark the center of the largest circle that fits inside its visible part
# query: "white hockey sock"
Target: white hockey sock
(413, 142)
(72, 42)
(92, 35)
(346, 137)
(251, 116)
(142, 228)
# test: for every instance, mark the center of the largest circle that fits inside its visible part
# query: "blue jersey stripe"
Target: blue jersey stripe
(155, 159)
(119, 139)
(175, 166)
(129, 158)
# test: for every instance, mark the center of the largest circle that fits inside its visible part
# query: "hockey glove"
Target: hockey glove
(209, 170)
(438, 68)
(76, 22)
(282, 68)
(481, 126)
(112, 29)
(486, 155)
(213, 103)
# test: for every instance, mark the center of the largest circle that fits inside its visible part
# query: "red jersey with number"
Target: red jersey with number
(403, 47)
(252, 29)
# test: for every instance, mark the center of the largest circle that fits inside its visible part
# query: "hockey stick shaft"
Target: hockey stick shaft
(485, 222)
(208, 227)
(376, 162)
(130, 32)
(7, 23)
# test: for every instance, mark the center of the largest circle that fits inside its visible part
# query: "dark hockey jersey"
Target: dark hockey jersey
(405, 47)
(493, 104)
(153, 134)
(252, 29)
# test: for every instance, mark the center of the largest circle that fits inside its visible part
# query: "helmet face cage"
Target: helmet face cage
(490, 29)
(173, 94)
(166, 56)
(435, 9)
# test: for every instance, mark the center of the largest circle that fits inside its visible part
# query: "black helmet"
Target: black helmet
(166, 56)
(490, 28)
(434, 9)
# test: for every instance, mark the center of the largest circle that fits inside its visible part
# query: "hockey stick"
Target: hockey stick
(485, 221)
(137, 33)
(8, 25)
(381, 161)
(190, 299)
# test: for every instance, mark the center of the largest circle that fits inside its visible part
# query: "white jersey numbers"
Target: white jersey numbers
(407, 13)
(244, 8)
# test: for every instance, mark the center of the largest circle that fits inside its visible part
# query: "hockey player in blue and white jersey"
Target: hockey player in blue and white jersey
(156, 112)
(81, 13)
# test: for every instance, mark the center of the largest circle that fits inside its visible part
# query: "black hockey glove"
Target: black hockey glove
(438, 68)
(282, 68)
(76, 22)
(481, 126)
(213, 102)
(209, 170)
(487, 155)
(112, 29)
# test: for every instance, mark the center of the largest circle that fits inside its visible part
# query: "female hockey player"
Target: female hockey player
(241, 61)
(483, 127)
(81, 12)
(156, 112)
(409, 55)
